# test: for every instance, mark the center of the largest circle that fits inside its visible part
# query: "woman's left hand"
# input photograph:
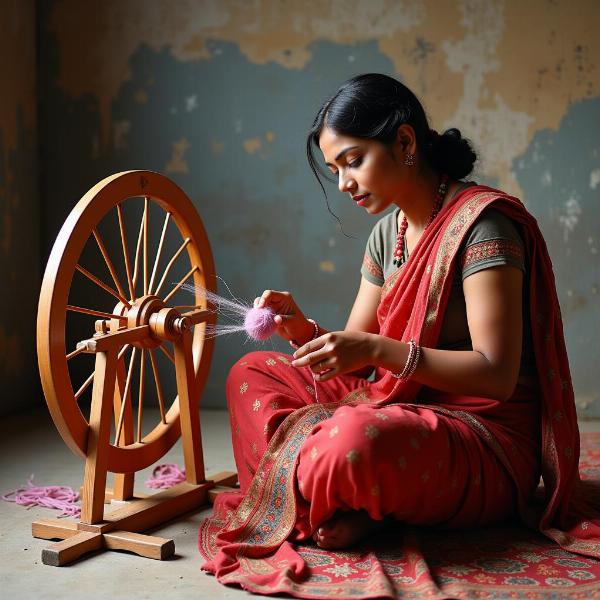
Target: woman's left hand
(336, 353)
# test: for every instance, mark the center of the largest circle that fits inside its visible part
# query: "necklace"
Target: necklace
(437, 204)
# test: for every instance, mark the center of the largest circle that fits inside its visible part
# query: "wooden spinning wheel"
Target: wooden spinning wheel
(134, 323)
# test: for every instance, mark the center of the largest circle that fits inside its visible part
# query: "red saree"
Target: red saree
(394, 447)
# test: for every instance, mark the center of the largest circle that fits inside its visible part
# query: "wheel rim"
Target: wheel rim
(80, 226)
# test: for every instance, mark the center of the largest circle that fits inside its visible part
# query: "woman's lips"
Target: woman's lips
(360, 200)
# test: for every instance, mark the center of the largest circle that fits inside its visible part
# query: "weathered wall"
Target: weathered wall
(218, 95)
(19, 211)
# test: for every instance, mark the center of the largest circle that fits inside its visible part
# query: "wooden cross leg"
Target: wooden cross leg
(120, 529)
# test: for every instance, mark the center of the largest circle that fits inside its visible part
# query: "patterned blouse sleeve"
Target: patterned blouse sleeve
(372, 265)
(493, 241)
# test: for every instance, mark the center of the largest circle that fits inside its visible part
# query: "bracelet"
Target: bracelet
(295, 345)
(414, 354)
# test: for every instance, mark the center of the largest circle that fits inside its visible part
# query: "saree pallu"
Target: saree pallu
(395, 447)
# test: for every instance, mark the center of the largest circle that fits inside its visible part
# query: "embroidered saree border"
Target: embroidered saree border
(267, 513)
(451, 240)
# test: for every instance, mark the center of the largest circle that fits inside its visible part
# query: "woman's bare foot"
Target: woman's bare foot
(345, 529)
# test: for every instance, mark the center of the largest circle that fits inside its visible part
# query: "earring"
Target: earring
(409, 160)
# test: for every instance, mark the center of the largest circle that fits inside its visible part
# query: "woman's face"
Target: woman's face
(370, 172)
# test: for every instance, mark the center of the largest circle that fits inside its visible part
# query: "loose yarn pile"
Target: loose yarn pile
(58, 497)
(165, 476)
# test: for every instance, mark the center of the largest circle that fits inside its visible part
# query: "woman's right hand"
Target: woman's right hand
(292, 325)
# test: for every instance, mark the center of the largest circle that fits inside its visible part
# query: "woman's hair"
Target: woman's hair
(373, 106)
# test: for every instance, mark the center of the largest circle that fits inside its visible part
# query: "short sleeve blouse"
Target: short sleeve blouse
(492, 241)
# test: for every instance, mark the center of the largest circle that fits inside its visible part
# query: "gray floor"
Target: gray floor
(30, 444)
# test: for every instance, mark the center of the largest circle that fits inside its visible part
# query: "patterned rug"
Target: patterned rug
(493, 563)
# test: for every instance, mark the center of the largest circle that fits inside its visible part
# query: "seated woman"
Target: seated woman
(448, 393)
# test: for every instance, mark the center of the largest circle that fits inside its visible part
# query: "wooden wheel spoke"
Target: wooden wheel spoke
(170, 264)
(185, 278)
(103, 285)
(108, 262)
(141, 395)
(159, 392)
(145, 247)
(159, 251)
(89, 380)
(85, 385)
(125, 396)
(125, 252)
(136, 262)
(95, 313)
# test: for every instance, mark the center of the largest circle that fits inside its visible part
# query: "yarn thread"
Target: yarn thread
(57, 497)
(257, 323)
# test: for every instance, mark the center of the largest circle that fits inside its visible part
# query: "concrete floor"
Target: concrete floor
(29, 443)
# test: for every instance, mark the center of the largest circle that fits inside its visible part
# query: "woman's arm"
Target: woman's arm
(493, 300)
(494, 303)
(363, 316)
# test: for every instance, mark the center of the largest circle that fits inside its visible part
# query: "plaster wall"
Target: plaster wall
(218, 95)
(19, 209)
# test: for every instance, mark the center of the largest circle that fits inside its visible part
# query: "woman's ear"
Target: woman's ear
(406, 140)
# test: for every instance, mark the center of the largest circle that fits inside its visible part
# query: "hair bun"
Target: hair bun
(452, 154)
(453, 133)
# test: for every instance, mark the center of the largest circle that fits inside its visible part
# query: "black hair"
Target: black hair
(373, 106)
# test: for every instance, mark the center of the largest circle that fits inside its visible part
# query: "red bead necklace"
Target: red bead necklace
(437, 205)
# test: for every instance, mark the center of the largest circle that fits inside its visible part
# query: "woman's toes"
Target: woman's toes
(345, 529)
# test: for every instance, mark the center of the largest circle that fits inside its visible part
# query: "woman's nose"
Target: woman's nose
(345, 183)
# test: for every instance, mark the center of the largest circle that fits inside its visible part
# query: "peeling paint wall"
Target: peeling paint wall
(219, 94)
(19, 212)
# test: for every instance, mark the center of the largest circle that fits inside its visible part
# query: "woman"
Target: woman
(447, 394)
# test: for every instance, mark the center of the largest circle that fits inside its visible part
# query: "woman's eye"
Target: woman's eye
(355, 163)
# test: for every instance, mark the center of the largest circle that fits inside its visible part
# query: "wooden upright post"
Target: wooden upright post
(123, 483)
(96, 462)
(188, 409)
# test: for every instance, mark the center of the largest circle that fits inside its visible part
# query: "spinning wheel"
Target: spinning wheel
(140, 335)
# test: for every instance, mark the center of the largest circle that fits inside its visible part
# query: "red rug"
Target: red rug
(494, 563)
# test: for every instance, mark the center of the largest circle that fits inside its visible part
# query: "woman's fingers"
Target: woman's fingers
(274, 299)
(311, 346)
(310, 354)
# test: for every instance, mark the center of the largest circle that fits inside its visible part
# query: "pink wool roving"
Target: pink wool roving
(58, 497)
(260, 323)
(165, 476)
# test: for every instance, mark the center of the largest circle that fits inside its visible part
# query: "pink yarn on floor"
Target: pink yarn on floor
(58, 497)
(63, 498)
(165, 476)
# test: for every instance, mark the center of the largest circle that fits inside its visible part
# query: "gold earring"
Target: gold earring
(409, 160)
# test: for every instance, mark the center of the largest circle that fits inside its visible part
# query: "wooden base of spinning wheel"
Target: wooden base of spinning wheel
(120, 529)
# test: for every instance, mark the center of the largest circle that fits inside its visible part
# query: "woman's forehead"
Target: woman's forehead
(333, 143)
